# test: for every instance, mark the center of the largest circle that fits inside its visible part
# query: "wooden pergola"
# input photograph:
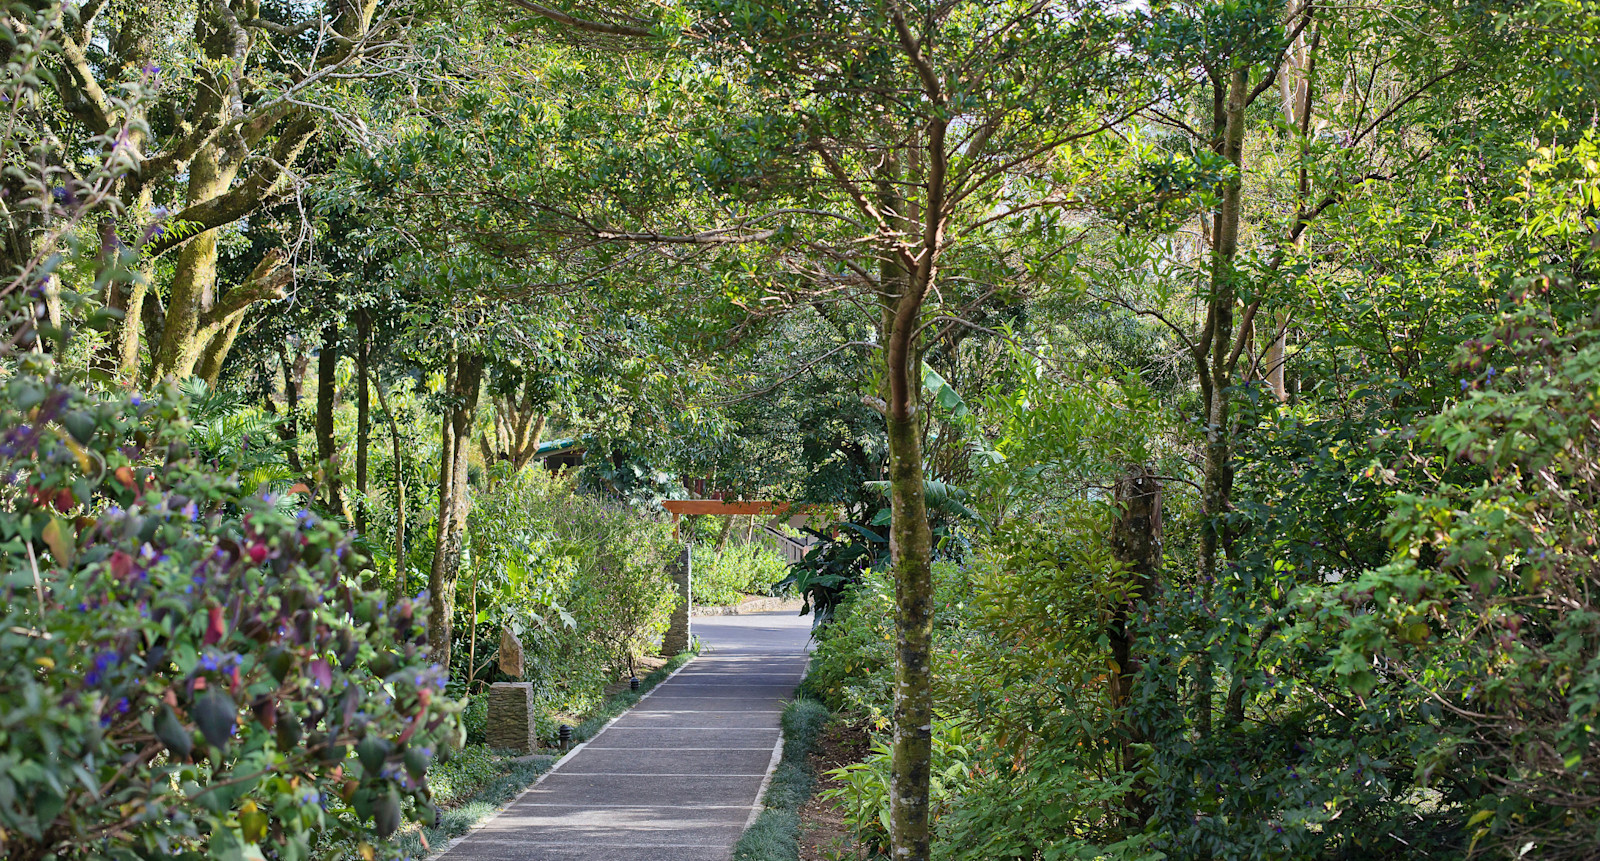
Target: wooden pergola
(730, 508)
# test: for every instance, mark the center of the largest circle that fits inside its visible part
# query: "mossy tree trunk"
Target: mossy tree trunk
(330, 485)
(465, 376)
(363, 412)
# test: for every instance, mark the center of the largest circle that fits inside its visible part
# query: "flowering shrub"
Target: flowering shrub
(186, 670)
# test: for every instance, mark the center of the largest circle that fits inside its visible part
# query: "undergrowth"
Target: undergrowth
(775, 835)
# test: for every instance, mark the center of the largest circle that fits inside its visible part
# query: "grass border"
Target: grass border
(775, 834)
(523, 772)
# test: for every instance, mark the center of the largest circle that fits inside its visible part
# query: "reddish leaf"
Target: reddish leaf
(214, 628)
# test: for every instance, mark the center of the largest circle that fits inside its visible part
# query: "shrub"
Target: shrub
(852, 670)
(468, 771)
(475, 719)
(853, 667)
(1491, 605)
(862, 792)
(187, 669)
(583, 584)
(726, 576)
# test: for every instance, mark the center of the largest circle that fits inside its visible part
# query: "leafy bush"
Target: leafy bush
(188, 670)
(582, 583)
(852, 669)
(863, 790)
(725, 577)
(475, 719)
(469, 770)
(1490, 605)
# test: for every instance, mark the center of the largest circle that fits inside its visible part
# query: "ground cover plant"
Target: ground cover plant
(775, 833)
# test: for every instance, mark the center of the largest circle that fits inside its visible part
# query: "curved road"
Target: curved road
(678, 777)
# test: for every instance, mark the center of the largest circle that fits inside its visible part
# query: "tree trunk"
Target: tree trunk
(327, 401)
(722, 537)
(911, 546)
(530, 443)
(194, 277)
(217, 347)
(399, 493)
(363, 413)
(289, 428)
(1136, 545)
(127, 337)
(454, 501)
(1294, 83)
(1215, 365)
(911, 552)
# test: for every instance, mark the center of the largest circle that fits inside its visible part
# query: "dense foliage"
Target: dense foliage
(1207, 391)
(190, 666)
(725, 576)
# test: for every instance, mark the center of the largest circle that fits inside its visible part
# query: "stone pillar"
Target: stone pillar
(678, 636)
(511, 724)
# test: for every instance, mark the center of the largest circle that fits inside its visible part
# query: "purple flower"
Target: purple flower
(102, 663)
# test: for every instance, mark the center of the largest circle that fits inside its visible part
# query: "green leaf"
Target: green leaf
(216, 715)
(172, 733)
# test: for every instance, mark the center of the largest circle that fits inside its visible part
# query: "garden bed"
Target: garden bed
(823, 833)
(750, 604)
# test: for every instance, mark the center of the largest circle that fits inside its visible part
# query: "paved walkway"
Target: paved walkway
(679, 776)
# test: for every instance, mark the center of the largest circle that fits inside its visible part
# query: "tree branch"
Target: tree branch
(247, 196)
(266, 281)
(584, 24)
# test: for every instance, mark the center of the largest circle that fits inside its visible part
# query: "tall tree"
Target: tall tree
(873, 146)
(227, 101)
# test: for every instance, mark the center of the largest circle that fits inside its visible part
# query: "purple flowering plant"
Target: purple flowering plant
(183, 663)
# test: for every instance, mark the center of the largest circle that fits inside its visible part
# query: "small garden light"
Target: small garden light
(633, 683)
(565, 735)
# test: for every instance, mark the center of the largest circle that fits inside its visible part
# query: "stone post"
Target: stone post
(678, 636)
(511, 724)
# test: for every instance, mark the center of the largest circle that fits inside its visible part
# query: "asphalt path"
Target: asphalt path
(680, 775)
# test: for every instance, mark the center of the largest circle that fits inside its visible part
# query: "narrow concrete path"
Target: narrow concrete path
(679, 776)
